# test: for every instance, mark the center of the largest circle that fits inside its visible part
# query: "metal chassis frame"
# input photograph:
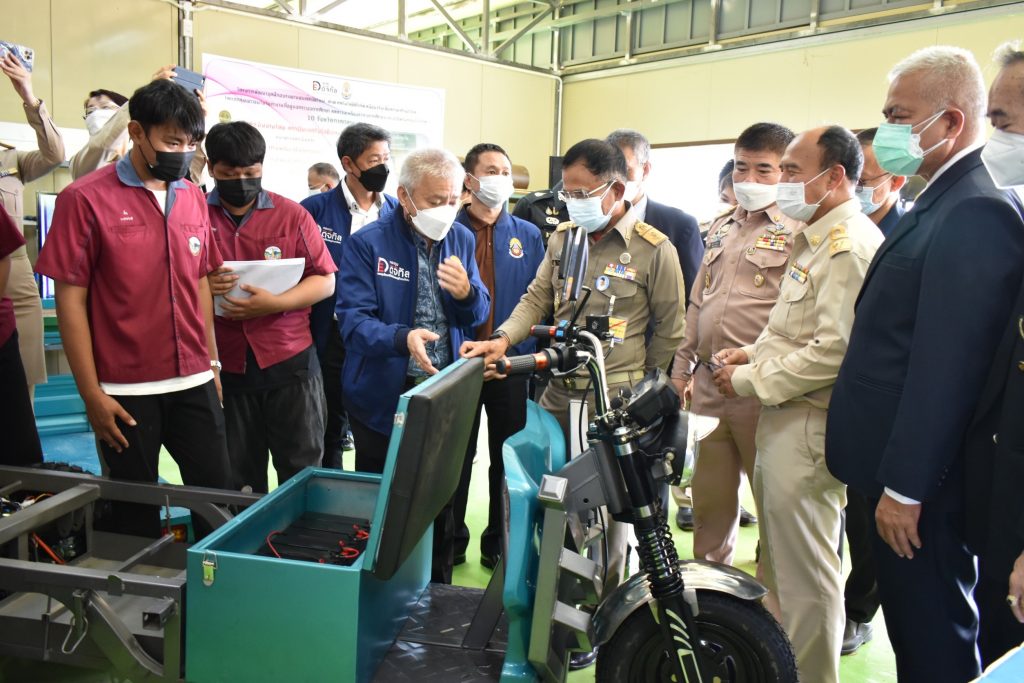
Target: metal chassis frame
(80, 589)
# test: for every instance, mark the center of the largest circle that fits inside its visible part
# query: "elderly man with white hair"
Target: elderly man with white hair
(410, 293)
(928, 322)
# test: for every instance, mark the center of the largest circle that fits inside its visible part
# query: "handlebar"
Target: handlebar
(530, 363)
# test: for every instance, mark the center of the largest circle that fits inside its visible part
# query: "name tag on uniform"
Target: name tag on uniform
(620, 271)
(798, 273)
(617, 327)
(773, 242)
(715, 243)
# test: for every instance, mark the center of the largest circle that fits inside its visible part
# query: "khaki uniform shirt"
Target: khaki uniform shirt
(736, 288)
(797, 356)
(16, 169)
(636, 264)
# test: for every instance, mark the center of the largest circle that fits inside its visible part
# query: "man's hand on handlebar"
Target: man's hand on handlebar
(491, 350)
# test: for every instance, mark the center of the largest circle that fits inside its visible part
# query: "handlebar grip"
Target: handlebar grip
(543, 331)
(523, 365)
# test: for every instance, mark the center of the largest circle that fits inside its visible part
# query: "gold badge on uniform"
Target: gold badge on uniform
(620, 271)
(194, 245)
(815, 240)
(625, 258)
(272, 253)
(799, 273)
(707, 280)
(751, 251)
(759, 280)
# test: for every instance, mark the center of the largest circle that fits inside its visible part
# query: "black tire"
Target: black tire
(741, 643)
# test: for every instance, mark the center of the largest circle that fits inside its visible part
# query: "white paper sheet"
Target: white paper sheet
(275, 276)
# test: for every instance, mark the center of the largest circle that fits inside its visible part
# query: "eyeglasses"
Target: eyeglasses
(862, 183)
(566, 195)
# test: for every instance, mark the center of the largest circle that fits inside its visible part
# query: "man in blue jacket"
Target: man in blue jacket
(358, 200)
(508, 252)
(928, 322)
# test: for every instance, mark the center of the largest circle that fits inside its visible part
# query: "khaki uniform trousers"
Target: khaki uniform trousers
(725, 454)
(800, 504)
(555, 400)
(28, 312)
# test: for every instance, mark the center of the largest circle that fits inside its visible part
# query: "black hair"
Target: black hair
(473, 155)
(326, 170)
(725, 175)
(354, 140)
(115, 97)
(600, 157)
(163, 102)
(236, 144)
(765, 137)
(866, 136)
(840, 146)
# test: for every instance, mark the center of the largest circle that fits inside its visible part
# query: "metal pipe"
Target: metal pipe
(328, 7)
(455, 26)
(485, 28)
(521, 32)
(402, 34)
(31, 518)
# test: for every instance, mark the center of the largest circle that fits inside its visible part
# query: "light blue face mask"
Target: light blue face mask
(898, 148)
(866, 195)
(587, 213)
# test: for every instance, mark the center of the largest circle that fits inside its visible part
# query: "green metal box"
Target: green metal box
(254, 618)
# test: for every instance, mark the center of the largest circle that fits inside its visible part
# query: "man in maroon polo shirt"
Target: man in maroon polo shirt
(129, 250)
(273, 392)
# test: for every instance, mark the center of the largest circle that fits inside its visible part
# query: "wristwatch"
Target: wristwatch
(216, 364)
(501, 334)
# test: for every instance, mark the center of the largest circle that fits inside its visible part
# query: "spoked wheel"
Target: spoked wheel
(740, 643)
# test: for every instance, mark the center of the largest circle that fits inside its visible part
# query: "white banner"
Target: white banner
(301, 114)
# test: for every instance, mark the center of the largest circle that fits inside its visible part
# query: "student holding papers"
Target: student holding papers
(273, 392)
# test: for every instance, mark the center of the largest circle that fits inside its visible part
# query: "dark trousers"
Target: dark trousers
(861, 593)
(17, 421)
(999, 630)
(337, 419)
(926, 601)
(505, 401)
(371, 454)
(190, 424)
(287, 421)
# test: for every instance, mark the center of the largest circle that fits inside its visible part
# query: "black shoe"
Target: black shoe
(460, 558)
(684, 519)
(855, 635)
(581, 660)
(747, 518)
(489, 561)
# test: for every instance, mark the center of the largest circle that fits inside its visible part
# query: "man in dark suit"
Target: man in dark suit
(680, 227)
(995, 443)
(928, 320)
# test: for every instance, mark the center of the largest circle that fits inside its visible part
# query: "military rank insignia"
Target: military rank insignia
(799, 273)
(620, 271)
(771, 241)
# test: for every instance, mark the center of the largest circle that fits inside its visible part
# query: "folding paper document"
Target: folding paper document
(275, 276)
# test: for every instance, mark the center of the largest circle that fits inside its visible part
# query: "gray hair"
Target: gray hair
(1008, 53)
(433, 163)
(635, 140)
(949, 76)
(326, 170)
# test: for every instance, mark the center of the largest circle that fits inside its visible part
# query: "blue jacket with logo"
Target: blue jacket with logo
(332, 214)
(518, 252)
(376, 304)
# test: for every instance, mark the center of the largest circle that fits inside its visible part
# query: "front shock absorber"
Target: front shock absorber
(658, 555)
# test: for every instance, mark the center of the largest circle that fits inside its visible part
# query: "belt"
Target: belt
(579, 382)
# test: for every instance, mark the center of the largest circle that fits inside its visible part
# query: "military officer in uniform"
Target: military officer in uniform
(16, 169)
(544, 209)
(791, 369)
(629, 260)
(734, 292)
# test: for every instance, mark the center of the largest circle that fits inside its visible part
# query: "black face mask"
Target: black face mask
(239, 191)
(169, 166)
(374, 178)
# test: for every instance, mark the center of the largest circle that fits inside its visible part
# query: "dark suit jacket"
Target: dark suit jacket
(995, 451)
(684, 234)
(928, 319)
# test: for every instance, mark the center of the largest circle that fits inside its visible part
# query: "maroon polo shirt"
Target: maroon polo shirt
(142, 270)
(10, 239)
(276, 227)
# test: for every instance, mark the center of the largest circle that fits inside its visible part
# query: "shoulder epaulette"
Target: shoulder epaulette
(650, 233)
(839, 241)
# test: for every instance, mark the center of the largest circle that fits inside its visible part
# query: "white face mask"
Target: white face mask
(1003, 157)
(792, 200)
(98, 118)
(632, 190)
(434, 223)
(754, 196)
(588, 213)
(494, 190)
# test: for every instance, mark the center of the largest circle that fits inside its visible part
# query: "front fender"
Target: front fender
(699, 575)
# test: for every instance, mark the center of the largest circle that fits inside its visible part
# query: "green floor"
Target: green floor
(873, 663)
